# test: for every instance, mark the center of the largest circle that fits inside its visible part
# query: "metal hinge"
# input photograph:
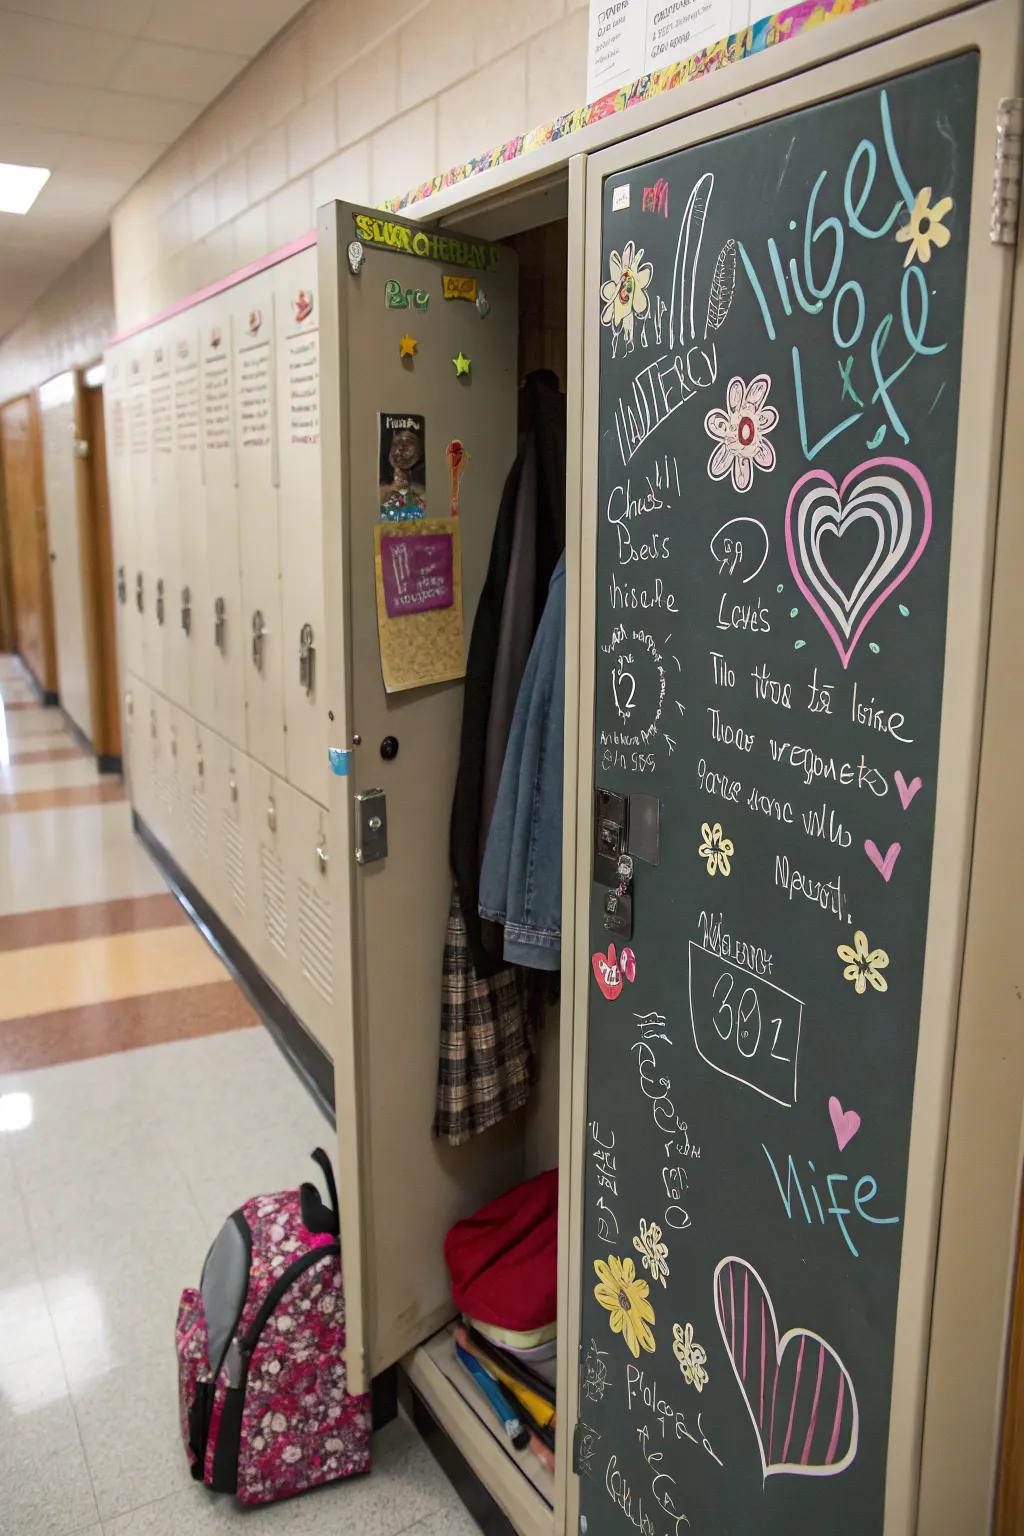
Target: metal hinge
(1006, 171)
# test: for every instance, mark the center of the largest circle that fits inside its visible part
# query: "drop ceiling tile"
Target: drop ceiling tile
(125, 16)
(174, 74)
(142, 119)
(232, 26)
(40, 104)
(50, 50)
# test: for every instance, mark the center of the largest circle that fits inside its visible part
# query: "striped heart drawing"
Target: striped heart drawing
(798, 1393)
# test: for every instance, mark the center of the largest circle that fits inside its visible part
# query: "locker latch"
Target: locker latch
(259, 630)
(122, 585)
(139, 599)
(186, 609)
(371, 826)
(220, 620)
(160, 600)
(307, 658)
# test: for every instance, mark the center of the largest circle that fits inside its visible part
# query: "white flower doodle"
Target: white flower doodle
(741, 432)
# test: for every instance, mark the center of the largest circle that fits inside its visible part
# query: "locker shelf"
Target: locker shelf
(515, 1479)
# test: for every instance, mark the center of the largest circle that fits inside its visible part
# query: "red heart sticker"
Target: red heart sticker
(607, 972)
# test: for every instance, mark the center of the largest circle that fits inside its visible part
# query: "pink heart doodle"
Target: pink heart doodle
(797, 1391)
(628, 962)
(845, 1122)
(607, 972)
(892, 495)
(906, 791)
(884, 866)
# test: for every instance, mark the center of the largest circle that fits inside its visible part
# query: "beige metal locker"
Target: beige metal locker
(297, 320)
(160, 537)
(131, 731)
(403, 1188)
(193, 758)
(191, 666)
(218, 624)
(58, 401)
(122, 517)
(273, 925)
(237, 887)
(255, 415)
(312, 882)
(141, 578)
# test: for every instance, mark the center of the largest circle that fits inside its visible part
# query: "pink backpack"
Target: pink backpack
(265, 1412)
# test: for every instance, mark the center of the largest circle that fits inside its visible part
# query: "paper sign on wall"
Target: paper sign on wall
(418, 576)
(630, 38)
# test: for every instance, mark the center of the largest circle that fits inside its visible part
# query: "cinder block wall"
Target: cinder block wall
(359, 99)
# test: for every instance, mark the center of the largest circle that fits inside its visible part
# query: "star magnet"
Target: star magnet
(407, 346)
(462, 364)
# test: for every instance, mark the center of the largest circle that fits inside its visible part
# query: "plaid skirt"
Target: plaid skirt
(487, 1063)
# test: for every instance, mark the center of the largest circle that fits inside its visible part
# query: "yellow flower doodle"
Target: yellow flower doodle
(925, 227)
(692, 1357)
(862, 964)
(716, 849)
(624, 1297)
(624, 295)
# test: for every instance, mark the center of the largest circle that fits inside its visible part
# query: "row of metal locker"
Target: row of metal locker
(213, 432)
(255, 847)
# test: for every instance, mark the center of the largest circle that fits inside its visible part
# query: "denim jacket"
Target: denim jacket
(521, 878)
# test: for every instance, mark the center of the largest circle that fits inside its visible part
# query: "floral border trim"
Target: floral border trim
(776, 28)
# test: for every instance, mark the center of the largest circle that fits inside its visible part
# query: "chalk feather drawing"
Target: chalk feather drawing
(740, 432)
(892, 497)
(723, 286)
(798, 1393)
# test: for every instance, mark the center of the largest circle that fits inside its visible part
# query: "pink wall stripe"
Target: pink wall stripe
(233, 278)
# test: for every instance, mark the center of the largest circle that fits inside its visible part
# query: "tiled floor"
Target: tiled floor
(119, 1160)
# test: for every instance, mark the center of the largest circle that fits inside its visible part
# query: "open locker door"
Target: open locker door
(795, 345)
(389, 341)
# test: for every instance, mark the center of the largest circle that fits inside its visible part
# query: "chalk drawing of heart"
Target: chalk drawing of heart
(892, 497)
(798, 1393)
(845, 1122)
(884, 866)
(608, 973)
(906, 791)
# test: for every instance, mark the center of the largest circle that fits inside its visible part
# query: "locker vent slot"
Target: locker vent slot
(233, 862)
(275, 905)
(199, 820)
(316, 950)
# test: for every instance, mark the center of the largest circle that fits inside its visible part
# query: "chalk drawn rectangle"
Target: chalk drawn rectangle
(718, 991)
(417, 570)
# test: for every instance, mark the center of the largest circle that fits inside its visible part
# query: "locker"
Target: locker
(161, 537)
(313, 882)
(297, 319)
(389, 925)
(191, 668)
(218, 625)
(141, 578)
(274, 923)
(122, 515)
(255, 414)
(132, 712)
(236, 892)
(194, 753)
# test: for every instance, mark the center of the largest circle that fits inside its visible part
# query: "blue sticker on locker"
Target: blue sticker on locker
(338, 758)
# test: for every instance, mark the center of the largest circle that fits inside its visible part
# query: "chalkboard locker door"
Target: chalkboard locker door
(796, 330)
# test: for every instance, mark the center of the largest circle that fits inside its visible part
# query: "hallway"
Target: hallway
(140, 1102)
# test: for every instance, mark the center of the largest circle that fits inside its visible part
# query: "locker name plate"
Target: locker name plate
(371, 826)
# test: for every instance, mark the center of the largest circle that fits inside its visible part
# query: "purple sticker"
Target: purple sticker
(417, 572)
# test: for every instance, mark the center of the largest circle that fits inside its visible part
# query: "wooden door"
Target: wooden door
(106, 711)
(26, 523)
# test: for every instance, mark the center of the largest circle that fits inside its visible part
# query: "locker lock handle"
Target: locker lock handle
(307, 658)
(186, 609)
(122, 586)
(160, 600)
(174, 741)
(233, 789)
(220, 620)
(259, 632)
(129, 706)
(139, 594)
(321, 855)
(271, 814)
